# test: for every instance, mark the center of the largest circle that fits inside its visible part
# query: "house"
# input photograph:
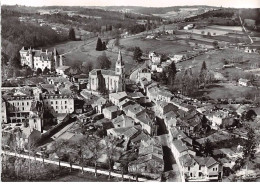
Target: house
(111, 112)
(195, 168)
(113, 81)
(146, 122)
(100, 104)
(144, 73)
(188, 27)
(180, 148)
(149, 165)
(63, 71)
(170, 119)
(58, 103)
(154, 57)
(177, 58)
(3, 112)
(164, 96)
(137, 97)
(123, 121)
(126, 102)
(134, 110)
(164, 107)
(151, 146)
(116, 98)
(243, 82)
(144, 83)
(221, 117)
(57, 81)
(48, 88)
(81, 78)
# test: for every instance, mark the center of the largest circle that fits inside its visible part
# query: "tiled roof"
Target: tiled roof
(180, 146)
(130, 132)
(112, 108)
(104, 72)
(136, 95)
(145, 118)
(136, 108)
(63, 67)
(118, 95)
(81, 76)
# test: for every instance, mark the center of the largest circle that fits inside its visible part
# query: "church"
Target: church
(114, 80)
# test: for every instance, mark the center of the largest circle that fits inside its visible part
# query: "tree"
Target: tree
(203, 73)
(171, 74)
(99, 45)
(104, 47)
(209, 34)
(215, 44)
(28, 71)
(38, 71)
(103, 62)
(46, 71)
(202, 32)
(110, 149)
(137, 54)
(208, 148)
(72, 34)
(249, 147)
(95, 146)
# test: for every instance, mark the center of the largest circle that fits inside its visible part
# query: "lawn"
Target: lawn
(160, 46)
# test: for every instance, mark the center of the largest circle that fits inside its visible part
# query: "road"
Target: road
(245, 30)
(87, 169)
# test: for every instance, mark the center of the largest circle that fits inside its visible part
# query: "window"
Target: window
(56, 107)
(199, 167)
(61, 107)
(117, 69)
(188, 168)
(22, 103)
(51, 102)
(56, 102)
(17, 103)
(65, 102)
(65, 107)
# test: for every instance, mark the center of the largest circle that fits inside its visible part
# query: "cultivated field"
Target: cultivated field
(213, 32)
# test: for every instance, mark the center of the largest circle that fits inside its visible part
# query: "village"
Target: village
(137, 125)
(130, 93)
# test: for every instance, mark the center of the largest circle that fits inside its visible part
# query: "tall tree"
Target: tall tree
(111, 150)
(208, 148)
(137, 54)
(171, 74)
(203, 73)
(99, 45)
(95, 146)
(72, 34)
(103, 62)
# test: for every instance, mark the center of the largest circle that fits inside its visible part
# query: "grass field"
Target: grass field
(78, 51)
(160, 46)
(226, 90)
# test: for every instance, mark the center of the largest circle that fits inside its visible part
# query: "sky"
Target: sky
(147, 3)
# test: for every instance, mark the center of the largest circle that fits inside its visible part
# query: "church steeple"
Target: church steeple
(120, 67)
(119, 58)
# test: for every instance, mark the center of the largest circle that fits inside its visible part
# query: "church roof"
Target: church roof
(103, 71)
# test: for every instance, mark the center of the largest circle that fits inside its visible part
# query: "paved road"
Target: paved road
(88, 169)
